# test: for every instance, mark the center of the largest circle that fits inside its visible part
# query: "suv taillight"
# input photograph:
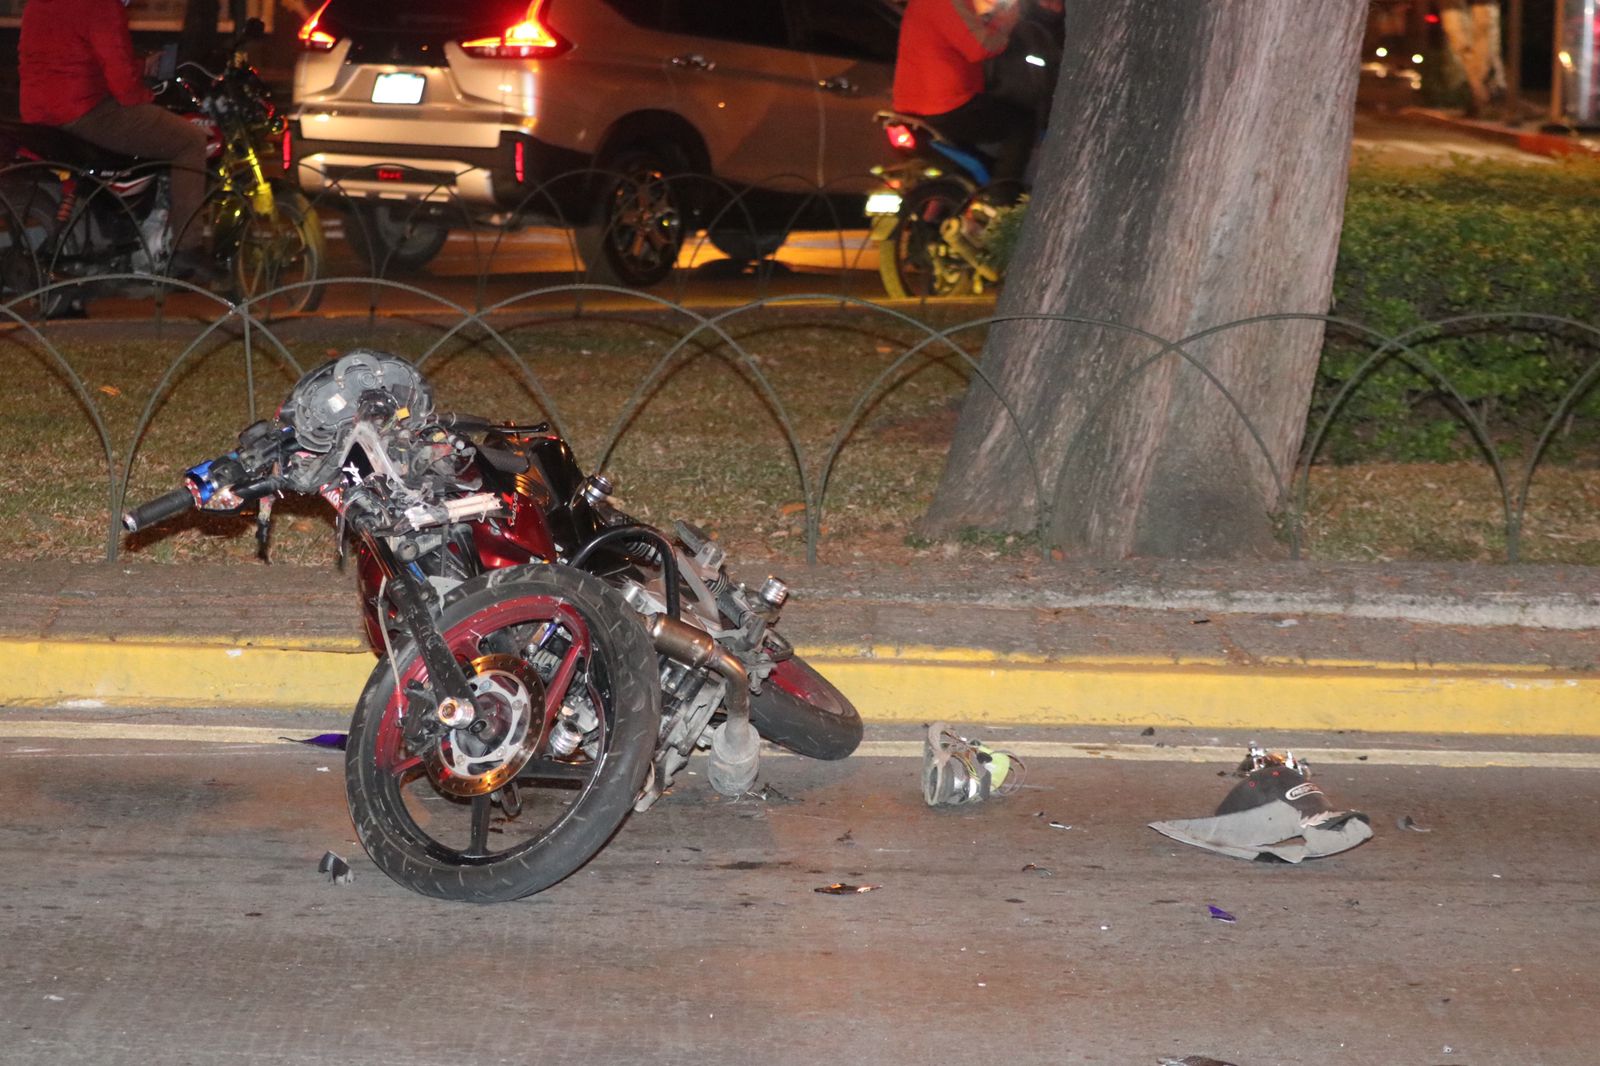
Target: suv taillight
(528, 39)
(312, 37)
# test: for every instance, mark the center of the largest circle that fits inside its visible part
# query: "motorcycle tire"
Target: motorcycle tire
(30, 240)
(411, 829)
(799, 709)
(395, 237)
(267, 246)
(912, 261)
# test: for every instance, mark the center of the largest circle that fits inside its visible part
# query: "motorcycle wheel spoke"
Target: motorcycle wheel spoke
(482, 810)
(555, 692)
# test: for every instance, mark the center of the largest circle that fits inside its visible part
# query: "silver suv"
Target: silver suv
(635, 121)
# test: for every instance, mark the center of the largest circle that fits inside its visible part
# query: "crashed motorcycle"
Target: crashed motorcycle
(547, 664)
(71, 210)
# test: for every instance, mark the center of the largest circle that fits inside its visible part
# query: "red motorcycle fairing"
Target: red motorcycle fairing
(522, 538)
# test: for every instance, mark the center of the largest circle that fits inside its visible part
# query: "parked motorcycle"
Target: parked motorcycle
(71, 210)
(546, 663)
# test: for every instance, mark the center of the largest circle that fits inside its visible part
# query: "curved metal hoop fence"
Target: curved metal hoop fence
(814, 468)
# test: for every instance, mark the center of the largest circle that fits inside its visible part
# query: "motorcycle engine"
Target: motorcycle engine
(326, 400)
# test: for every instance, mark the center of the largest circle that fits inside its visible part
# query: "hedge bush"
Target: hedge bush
(1424, 244)
(1421, 244)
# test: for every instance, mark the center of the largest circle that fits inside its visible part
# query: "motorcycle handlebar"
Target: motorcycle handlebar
(159, 509)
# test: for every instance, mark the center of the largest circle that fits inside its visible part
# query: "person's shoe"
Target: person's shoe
(192, 265)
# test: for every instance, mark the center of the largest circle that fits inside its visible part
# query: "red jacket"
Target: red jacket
(71, 55)
(943, 44)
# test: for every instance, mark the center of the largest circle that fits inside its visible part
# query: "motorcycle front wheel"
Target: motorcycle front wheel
(568, 681)
(277, 254)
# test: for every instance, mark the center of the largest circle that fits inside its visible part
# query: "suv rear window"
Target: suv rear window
(440, 20)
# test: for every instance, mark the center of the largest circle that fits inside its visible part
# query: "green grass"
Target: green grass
(706, 445)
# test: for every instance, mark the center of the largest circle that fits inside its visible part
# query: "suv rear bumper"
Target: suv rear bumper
(521, 173)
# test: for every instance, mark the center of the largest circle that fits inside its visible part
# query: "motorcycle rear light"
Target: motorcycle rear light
(519, 162)
(391, 174)
(312, 37)
(528, 39)
(900, 136)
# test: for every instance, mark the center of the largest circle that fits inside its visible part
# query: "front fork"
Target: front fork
(447, 701)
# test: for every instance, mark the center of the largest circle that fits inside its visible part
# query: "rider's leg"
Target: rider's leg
(154, 133)
(986, 120)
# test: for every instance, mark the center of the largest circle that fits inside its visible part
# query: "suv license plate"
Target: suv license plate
(398, 89)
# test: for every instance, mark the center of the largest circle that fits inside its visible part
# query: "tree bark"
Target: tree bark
(1193, 175)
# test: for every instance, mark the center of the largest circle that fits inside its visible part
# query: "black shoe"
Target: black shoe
(189, 264)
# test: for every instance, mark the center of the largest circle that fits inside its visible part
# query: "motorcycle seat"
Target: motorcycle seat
(55, 145)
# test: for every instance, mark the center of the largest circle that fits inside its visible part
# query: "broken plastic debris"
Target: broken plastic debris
(956, 770)
(1195, 1060)
(1042, 871)
(1220, 915)
(336, 868)
(1405, 821)
(1276, 814)
(838, 889)
(1059, 825)
(322, 740)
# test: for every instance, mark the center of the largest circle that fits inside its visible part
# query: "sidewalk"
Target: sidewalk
(1535, 141)
(1391, 648)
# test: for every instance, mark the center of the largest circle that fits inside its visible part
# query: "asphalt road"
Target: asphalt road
(162, 904)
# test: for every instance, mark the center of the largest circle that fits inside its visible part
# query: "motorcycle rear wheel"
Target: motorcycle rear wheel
(29, 244)
(913, 261)
(799, 709)
(560, 811)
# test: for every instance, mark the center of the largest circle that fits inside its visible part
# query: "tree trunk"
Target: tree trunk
(1193, 175)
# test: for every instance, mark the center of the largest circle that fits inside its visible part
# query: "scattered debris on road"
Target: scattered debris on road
(1405, 821)
(1148, 731)
(1195, 1060)
(1276, 814)
(1042, 871)
(838, 889)
(322, 740)
(1221, 915)
(336, 868)
(956, 770)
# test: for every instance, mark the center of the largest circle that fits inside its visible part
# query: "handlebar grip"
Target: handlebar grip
(159, 509)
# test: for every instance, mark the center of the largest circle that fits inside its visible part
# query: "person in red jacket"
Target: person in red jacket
(78, 72)
(938, 76)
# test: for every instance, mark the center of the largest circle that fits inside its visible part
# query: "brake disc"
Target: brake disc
(509, 697)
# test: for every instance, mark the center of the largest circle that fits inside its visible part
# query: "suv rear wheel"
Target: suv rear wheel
(395, 236)
(637, 224)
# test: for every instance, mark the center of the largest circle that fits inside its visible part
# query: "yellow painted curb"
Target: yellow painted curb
(897, 685)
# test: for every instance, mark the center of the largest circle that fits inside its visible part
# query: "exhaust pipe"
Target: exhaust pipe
(735, 745)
